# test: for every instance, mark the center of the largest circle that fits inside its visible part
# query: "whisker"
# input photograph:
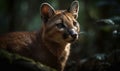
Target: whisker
(82, 33)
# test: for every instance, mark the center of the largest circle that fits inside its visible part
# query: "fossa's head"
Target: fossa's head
(60, 25)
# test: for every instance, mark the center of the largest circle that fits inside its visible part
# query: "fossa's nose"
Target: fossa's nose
(74, 36)
(73, 33)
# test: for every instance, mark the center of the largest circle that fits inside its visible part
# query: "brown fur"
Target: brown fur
(47, 45)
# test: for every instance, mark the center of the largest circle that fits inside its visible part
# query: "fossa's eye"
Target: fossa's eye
(60, 25)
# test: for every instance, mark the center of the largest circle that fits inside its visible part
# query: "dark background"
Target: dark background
(98, 47)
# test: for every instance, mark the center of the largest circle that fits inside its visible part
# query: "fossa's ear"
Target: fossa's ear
(74, 8)
(46, 11)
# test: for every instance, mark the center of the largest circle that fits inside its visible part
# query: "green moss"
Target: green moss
(21, 62)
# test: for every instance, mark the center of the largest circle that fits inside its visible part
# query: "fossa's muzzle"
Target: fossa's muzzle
(71, 34)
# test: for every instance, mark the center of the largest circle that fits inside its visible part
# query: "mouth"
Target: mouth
(70, 38)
